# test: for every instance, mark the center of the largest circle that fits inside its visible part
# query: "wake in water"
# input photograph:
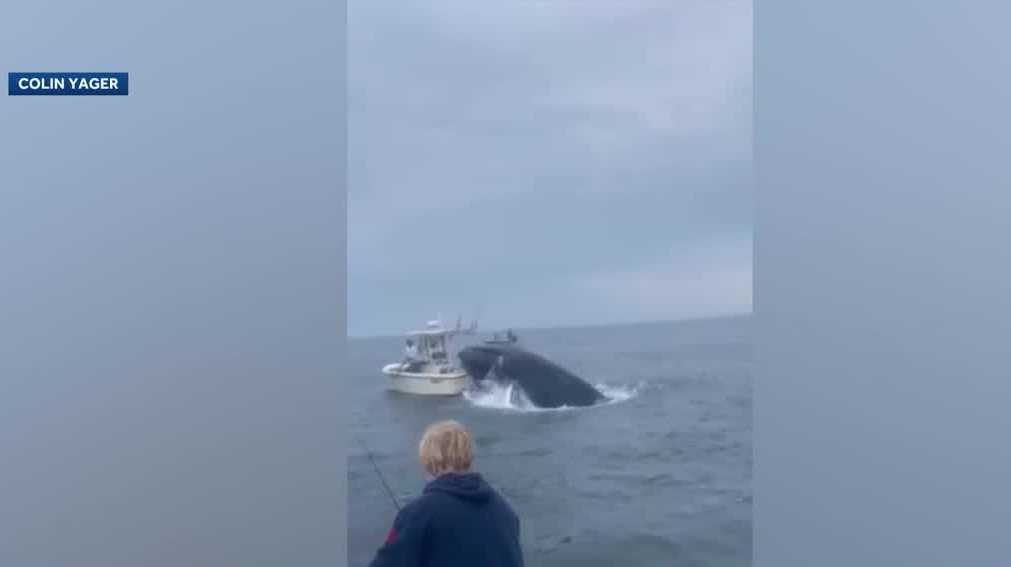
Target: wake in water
(494, 395)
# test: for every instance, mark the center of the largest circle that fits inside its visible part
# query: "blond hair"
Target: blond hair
(445, 447)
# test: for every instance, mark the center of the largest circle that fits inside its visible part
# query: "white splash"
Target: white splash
(494, 395)
(616, 394)
(509, 397)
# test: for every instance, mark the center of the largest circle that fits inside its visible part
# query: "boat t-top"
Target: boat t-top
(428, 368)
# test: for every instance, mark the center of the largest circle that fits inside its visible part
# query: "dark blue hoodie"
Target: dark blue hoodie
(459, 521)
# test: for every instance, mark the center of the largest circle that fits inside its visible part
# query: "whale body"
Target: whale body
(546, 384)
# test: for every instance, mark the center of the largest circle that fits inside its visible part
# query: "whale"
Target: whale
(546, 384)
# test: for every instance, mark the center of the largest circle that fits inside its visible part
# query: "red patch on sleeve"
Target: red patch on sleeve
(391, 536)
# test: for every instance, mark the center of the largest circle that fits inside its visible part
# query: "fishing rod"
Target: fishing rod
(379, 474)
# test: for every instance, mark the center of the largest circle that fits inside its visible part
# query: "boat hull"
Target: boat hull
(425, 384)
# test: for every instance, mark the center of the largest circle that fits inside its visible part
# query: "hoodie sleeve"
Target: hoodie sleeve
(404, 542)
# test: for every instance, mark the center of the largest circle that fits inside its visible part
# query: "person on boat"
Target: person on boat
(459, 520)
(437, 351)
(411, 351)
(510, 336)
(411, 359)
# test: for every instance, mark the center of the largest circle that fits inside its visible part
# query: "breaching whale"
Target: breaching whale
(545, 384)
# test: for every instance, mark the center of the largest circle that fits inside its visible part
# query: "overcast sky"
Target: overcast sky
(548, 162)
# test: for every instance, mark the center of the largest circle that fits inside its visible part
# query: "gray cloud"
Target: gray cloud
(513, 155)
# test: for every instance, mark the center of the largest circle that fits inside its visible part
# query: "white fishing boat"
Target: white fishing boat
(429, 369)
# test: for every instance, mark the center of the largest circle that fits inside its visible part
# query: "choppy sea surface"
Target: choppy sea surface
(659, 475)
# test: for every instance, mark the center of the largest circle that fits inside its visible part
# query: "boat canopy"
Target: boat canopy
(428, 333)
(432, 344)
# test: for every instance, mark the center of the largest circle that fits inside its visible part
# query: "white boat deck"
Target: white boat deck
(432, 372)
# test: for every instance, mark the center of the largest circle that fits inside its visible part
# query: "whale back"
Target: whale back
(545, 383)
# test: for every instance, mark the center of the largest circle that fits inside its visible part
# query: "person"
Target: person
(411, 359)
(437, 352)
(510, 336)
(459, 520)
(410, 351)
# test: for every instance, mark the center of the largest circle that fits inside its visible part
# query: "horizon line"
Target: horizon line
(588, 325)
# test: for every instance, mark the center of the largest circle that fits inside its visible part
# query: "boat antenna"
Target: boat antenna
(478, 312)
(379, 474)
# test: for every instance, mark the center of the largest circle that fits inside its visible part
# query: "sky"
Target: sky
(548, 163)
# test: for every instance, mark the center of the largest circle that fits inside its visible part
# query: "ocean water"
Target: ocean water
(659, 475)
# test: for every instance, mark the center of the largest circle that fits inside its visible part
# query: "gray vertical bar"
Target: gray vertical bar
(172, 288)
(882, 269)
